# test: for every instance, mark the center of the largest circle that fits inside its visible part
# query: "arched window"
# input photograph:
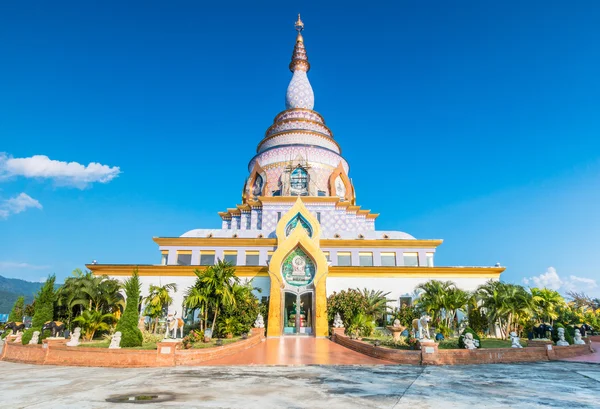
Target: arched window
(299, 182)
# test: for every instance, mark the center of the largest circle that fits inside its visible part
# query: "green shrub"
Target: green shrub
(44, 310)
(131, 336)
(16, 313)
(461, 339)
(568, 336)
(349, 303)
(478, 321)
(406, 314)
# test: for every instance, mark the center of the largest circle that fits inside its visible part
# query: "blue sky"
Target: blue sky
(476, 122)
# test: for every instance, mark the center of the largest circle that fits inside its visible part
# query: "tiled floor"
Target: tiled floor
(298, 351)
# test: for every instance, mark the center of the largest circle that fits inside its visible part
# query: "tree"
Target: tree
(376, 303)
(157, 300)
(219, 280)
(131, 336)
(197, 298)
(18, 309)
(545, 304)
(244, 311)
(92, 321)
(442, 300)
(348, 303)
(44, 309)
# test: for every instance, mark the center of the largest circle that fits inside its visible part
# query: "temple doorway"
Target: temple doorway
(298, 310)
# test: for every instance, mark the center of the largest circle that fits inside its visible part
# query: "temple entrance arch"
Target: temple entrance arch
(298, 270)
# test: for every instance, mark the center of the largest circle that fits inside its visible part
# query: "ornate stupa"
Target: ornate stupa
(298, 233)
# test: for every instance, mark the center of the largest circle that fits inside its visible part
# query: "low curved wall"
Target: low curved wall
(166, 354)
(463, 356)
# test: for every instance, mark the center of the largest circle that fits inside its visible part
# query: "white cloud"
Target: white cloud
(62, 173)
(551, 279)
(17, 204)
(15, 265)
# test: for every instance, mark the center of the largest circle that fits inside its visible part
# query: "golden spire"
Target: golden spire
(299, 58)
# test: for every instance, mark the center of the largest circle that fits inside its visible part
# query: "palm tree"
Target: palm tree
(157, 299)
(219, 281)
(197, 297)
(92, 321)
(455, 300)
(546, 303)
(376, 302)
(434, 299)
(505, 304)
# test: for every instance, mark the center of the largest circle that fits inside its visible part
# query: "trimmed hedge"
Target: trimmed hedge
(461, 339)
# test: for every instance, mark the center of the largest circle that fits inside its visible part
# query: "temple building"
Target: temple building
(299, 233)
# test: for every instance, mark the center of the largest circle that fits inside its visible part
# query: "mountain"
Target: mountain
(12, 288)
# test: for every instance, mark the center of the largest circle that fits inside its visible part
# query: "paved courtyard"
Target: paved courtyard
(540, 385)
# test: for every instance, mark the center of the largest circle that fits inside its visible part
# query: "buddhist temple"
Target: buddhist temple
(299, 232)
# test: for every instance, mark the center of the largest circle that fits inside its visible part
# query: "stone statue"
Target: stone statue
(340, 189)
(561, 338)
(578, 340)
(35, 338)
(470, 342)
(260, 322)
(421, 327)
(74, 341)
(115, 341)
(337, 321)
(397, 323)
(516, 341)
(19, 337)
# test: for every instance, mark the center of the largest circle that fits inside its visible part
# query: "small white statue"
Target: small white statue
(74, 341)
(35, 338)
(115, 341)
(516, 341)
(396, 323)
(421, 327)
(470, 342)
(561, 338)
(337, 321)
(260, 322)
(577, 339)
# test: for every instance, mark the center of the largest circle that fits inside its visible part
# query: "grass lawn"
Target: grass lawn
(105, 344)
(213, 343)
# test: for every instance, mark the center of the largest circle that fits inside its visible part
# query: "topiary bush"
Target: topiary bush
(568, 336)
(461, 339)
(131, 336)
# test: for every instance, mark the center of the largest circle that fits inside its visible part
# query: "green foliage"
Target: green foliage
(444, 330)
(442, 300)
(92, 321)
(568, 336)
(16, 313)
(546, 304)
(158, 301)
(192, 338)
(375, 303)
(44, 311)
(228, 326)
(361, 325)
(84, 291)
(150, 338)
(131, 336)
(478, 320)
(461, 338)
(348, 303)
(406, 314)
(243, 311)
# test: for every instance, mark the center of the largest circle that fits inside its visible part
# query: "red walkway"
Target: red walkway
(592, 358)
(297, 351)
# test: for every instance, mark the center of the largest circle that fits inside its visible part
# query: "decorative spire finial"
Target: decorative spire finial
(299, 25)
